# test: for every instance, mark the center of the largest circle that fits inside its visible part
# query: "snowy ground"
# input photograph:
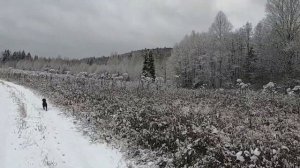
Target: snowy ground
(33, 138)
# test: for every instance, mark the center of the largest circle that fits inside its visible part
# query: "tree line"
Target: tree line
(7, 56)
(115, 64)
(267, 52)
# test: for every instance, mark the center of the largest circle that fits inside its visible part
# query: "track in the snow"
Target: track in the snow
(33, 138)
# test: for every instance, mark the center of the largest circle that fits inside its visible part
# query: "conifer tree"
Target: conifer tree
(6, 55)
(148, 68)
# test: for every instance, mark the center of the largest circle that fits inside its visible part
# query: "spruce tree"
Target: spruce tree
(148, 68)
(151, 65)
(6, 55)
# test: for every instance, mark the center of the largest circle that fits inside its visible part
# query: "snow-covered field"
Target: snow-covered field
(34, 138)
(172, 127)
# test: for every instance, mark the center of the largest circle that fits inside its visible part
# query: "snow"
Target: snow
(254, 158)
(284, 148)
(33, 138)
(239, 81)
(256, 152)
(240, 157)
(215, 131)
(269, 85)
(296, 88)
(247, 153)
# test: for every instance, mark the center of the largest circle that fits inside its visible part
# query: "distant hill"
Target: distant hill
(132, 62)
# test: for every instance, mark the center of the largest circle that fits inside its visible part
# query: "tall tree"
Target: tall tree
(6, 55)
(250, 58)
(221, 26)
(220, 30)
(148, 67)
(284, 18)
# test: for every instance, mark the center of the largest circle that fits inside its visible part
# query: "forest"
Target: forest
(268, 51)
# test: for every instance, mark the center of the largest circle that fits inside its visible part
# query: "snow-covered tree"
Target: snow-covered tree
(220, 32)
(284, 18)
(188, 60)
(221, 26)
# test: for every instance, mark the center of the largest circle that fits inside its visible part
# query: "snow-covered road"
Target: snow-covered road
(33, 138)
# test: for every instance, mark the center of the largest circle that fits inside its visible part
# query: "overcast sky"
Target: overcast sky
(85, 28)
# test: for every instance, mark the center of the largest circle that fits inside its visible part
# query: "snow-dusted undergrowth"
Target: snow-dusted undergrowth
(180, 128)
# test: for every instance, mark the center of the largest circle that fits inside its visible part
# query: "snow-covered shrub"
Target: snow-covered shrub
(204, 86)
(296, 89)
(159, 82)
(269, 88)
(92, 75)
(242, 86)
(269, 85)
(82, 74)
(239, 81)
(290, 92)
(118, 78)
(146, 81)
(125, 76)
(68, 73)
(53, 71)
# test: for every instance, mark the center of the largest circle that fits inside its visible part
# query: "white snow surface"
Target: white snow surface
(33, 138)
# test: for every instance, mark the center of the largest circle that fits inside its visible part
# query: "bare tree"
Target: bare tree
(221, 26)
(220, 31)
(284, 18)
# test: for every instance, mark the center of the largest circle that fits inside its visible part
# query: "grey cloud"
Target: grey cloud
(78, 28)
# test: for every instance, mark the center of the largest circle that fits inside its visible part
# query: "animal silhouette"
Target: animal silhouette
(44, 104)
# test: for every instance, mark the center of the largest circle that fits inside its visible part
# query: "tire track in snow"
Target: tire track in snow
(49, 140)
(27, 129)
